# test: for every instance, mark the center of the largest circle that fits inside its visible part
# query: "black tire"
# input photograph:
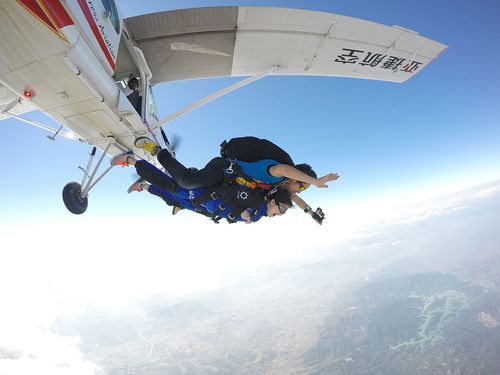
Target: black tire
(72, 197)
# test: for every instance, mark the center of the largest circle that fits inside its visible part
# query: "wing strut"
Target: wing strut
(45, 127)
(88, 180)
(213, 96)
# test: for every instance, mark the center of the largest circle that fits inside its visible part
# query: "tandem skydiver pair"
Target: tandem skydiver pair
(252, 178)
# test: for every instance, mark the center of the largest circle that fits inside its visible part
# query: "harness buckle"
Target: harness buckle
(213, 195)
(230, 170)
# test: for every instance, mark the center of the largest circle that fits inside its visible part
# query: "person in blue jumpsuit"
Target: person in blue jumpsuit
(197, 199)
(184, 198)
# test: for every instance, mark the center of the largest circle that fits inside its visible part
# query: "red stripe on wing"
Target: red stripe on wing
(95, 31)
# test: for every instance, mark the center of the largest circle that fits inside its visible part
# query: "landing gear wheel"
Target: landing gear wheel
(72, 197)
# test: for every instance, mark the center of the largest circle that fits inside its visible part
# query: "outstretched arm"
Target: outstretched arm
(283, 170)
(300, 203)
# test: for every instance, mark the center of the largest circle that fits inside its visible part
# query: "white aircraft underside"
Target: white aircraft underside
(68, 58)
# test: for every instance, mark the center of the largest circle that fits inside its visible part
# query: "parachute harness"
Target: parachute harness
(229, 170)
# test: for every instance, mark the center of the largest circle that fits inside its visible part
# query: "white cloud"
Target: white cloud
(56, 269)
(442, 205)
(360, 218)
(62, 268)
(397, 243)
(39, 351)
(28, 310)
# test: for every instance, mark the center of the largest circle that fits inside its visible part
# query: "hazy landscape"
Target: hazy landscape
(416, 295)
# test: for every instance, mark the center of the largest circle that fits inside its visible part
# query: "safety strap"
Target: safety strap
(232, 216)
(233, 173)
(276, 188)
(210, 194)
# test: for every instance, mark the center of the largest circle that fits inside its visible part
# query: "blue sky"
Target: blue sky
(435, 133)
(439, 130)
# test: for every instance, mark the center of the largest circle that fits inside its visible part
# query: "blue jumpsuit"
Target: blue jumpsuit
(165, 187)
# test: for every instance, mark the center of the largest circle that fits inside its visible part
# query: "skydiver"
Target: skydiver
(267, 171)
(294, 179)
(201, 200)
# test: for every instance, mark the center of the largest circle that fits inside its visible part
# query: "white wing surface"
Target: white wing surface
(240, 41)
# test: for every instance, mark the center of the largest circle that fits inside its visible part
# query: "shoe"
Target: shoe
(138, 186)
(121, 159)
(176, 209)
(148, 145)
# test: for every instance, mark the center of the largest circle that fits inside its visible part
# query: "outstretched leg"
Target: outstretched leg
(211, 174)
(154, 176)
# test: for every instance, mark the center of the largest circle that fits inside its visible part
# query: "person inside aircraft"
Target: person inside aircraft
(216, 202)
(133, 95)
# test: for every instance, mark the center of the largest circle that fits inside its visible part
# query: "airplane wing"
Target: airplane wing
(240, 41)
(10, 101)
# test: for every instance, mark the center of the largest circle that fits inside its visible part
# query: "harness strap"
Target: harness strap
(276, 188)
(209, 195)
(216, 215)
(232, 216)
(233, 196)
(233, 173)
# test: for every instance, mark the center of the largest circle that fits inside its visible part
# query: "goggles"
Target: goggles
(282, 209)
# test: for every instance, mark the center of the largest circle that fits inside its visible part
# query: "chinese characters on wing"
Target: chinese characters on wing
(370, 59)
